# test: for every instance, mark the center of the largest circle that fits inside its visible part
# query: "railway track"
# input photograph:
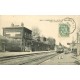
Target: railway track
(38, 60)
(27, 59)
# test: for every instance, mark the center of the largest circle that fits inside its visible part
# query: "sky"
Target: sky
(47, 28)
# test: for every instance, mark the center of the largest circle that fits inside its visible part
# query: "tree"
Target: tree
(35, 33)
(51, 41)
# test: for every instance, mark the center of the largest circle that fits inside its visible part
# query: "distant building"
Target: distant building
(20, 33)
(43, 39)
(73, 47)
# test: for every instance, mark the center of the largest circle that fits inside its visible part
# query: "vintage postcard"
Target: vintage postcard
(39, 40)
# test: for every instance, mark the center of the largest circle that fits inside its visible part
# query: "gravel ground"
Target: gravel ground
(63, 59)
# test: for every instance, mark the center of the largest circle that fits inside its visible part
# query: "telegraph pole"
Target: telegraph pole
(77, 45)
(78, 42)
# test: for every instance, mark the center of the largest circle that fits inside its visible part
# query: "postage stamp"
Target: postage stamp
(64, 30)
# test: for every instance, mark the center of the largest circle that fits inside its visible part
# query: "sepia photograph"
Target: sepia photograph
(39, 40)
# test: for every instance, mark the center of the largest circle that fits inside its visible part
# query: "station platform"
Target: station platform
(5, 54)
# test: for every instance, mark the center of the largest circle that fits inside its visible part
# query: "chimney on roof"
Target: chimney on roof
(22, 24)
(12, 25)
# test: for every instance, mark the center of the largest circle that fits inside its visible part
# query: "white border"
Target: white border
(39, 7)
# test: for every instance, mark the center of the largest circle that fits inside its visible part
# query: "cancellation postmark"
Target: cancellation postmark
(66, 27)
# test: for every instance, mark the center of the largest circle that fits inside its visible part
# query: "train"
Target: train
(59, 49)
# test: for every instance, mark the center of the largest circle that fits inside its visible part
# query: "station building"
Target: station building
(20, 34)
(19, 38)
